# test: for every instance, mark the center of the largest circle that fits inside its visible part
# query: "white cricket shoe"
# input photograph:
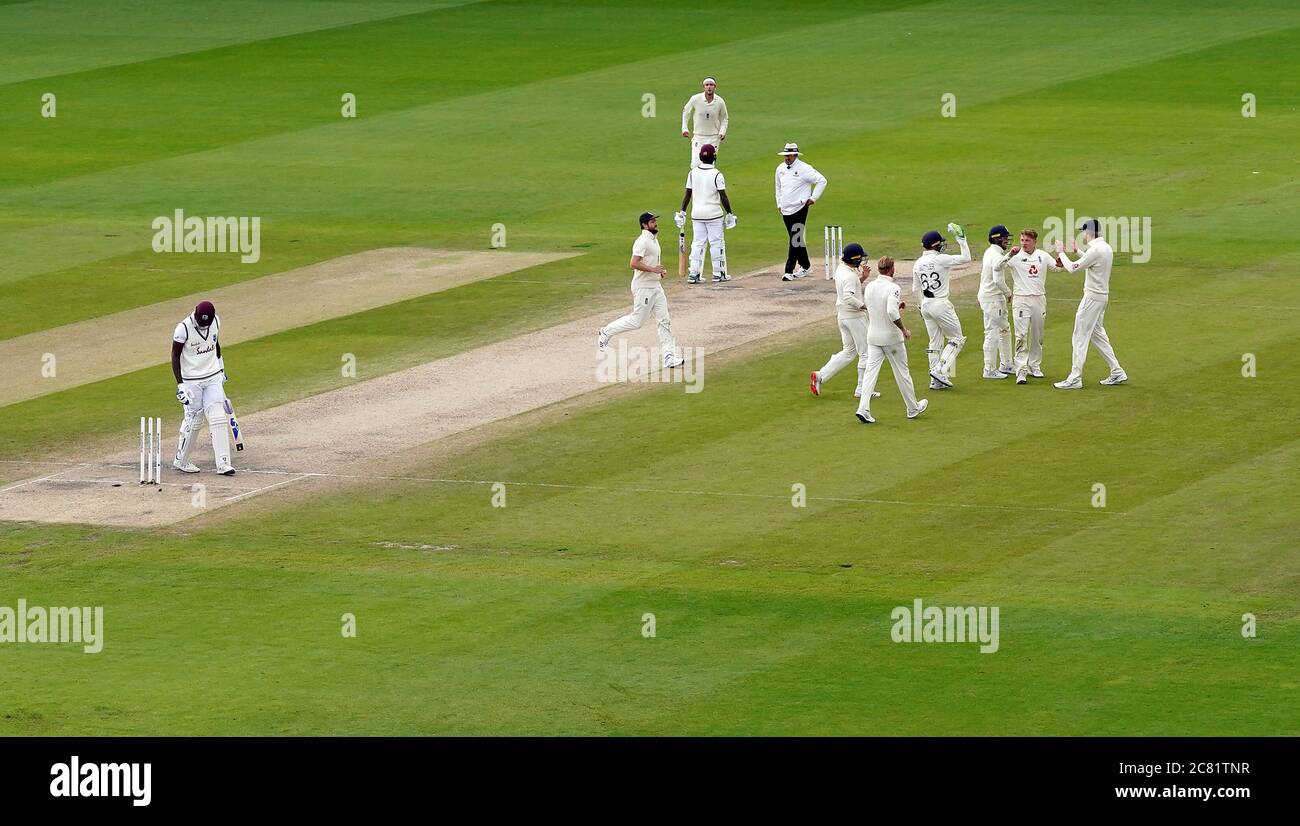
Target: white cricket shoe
(1069, 384)
(1036, 373)
(225, 470)
(994, 374)
(942, 379)
(816, 384)
(1008, 371)
(865, 417)
(1115, 378)
(1022, 377)
(188, 467)
(694, 279)
(788, 277)
(921, 405)
(802, 272)
(602, 342)
(673, 362)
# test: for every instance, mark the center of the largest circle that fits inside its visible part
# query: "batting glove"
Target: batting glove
(729, 222)
(182, 395)
(680, 219)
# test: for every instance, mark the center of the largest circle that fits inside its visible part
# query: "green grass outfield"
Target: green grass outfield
(770, 619)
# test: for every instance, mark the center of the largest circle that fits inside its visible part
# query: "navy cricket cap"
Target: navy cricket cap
(1091, 224)
(997, 233)
(932, 240)
(647, 217)
(853, 254)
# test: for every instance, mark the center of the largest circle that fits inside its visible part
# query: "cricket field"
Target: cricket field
(446, 523)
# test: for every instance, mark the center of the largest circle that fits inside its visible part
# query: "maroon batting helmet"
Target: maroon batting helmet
(204, 312)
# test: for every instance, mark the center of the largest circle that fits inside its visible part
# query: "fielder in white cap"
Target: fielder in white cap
(798, 186)
(705, 115)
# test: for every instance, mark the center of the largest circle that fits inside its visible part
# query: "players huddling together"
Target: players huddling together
(869, 310)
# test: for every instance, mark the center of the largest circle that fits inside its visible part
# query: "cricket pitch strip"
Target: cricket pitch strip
(339, 435)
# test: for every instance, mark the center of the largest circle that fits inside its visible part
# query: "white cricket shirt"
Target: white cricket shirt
(1029, 272)
(1097, 259)
(705, 182)
(848, 293)
(795, 184)
(882, 298)
(705, 118)
(647, 246)
(993, 284)
(930, 272)
(199, 355)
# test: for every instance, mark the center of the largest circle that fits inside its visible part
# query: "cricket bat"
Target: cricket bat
(234, 426)
(681, 251)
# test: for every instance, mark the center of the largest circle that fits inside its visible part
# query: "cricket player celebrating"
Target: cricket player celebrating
(798, 186)
(993, 296)
(885, 336)
(930, 277)
(647, 295)
(850, 275)
(200, 373)
(706, 114)
(1029, 267)
(712, 211)
(1096, 260)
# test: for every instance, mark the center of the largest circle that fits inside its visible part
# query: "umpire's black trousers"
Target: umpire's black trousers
(795, 226)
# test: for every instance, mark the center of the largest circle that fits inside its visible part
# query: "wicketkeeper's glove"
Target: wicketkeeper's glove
(956, 230)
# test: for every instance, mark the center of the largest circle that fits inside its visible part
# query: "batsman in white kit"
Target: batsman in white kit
(1029, 266)
(851, 313)
(710, 214)
(993, 297)
(930, 278)
(1097, 259)
(647, 295)
(886, 335)
(705, 115)
(200, 375)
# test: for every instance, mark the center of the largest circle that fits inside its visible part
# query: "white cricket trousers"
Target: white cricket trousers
(699, 140)
(997, 334)
(944, 327)
(647, 301)
(1030, 314)
(853, 335)
(1088, 329)
(897, 356)
(709, 231)
(210, 403)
